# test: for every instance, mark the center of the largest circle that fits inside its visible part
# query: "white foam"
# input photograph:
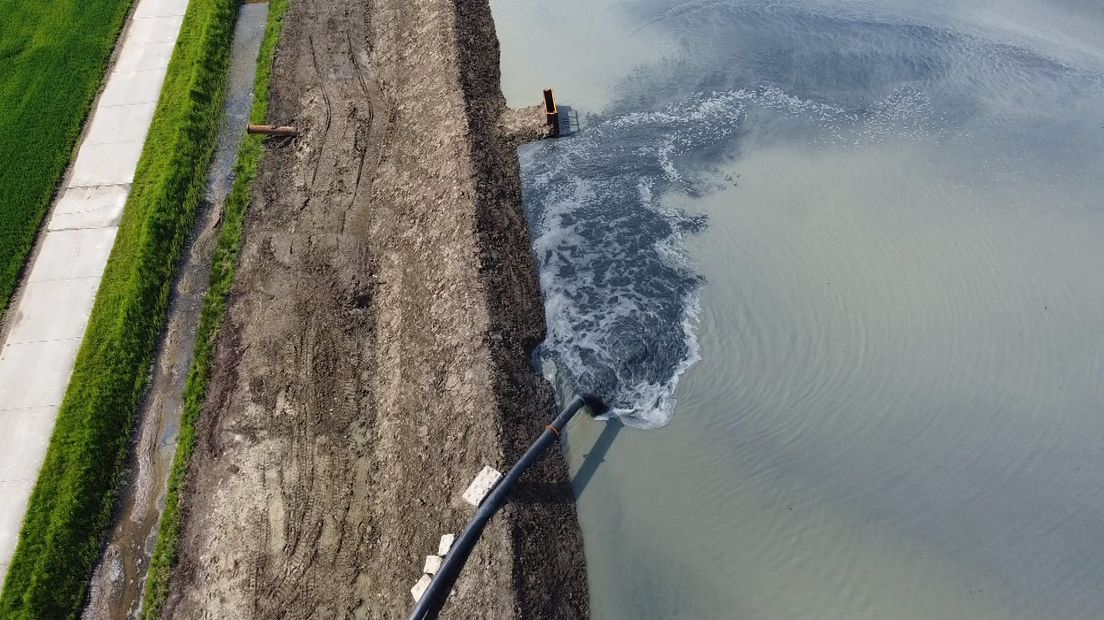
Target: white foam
(591, 201)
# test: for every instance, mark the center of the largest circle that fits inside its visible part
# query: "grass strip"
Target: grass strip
(53, 56)
(214, 306)
(70, 508)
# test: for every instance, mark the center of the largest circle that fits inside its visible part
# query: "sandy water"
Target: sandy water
(839, 266)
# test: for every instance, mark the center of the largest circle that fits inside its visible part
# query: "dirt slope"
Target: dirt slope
(375, 351)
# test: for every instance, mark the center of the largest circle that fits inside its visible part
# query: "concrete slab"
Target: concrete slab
(35, 374)
(160, 8)
(432, 564)
(89, 207)
(445, 545)
(120, 123)
(143, 56)
(477, 491)
(24, 435)
(419, 588)
(15, 494)
(49, 318)
(53, 310)
(73, 254)
(106, 164)
(131, 87)
(155, 29)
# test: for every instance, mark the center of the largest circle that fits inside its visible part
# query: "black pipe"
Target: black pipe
(434, 596)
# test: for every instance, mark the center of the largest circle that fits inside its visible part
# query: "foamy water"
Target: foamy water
(621, 295)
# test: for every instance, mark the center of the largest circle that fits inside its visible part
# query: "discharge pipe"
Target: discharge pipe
(438, 590)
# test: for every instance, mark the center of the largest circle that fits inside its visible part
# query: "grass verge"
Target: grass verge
(214, 306)
(70, 508)
(53, 56)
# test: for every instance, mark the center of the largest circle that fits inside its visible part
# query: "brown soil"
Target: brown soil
(375, 353)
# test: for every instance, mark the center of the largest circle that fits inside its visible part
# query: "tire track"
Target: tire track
(328, 110)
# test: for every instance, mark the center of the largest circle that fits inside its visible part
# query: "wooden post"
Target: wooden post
(552, 112)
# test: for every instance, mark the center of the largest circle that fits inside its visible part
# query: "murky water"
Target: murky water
(844, 261)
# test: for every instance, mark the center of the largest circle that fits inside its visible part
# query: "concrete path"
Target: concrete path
(49, 317)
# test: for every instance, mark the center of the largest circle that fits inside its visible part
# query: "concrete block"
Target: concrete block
(131, 87)
(49, 320)
(89, 207)
(106, 164)
(120, 123)
(419, 588)
(479, 488)
(432, 564)
(160, 8)
(446, 544)
(72, 254)
(53, 310)
(144, 56)
(35, 374)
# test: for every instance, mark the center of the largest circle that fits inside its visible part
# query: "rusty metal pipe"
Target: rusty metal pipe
(271, 130)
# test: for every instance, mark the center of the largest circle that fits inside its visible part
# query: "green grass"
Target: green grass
(53, 55)
(70, 508)
(214, 306)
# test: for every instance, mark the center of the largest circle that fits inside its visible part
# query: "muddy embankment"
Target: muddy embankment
(375, 350)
